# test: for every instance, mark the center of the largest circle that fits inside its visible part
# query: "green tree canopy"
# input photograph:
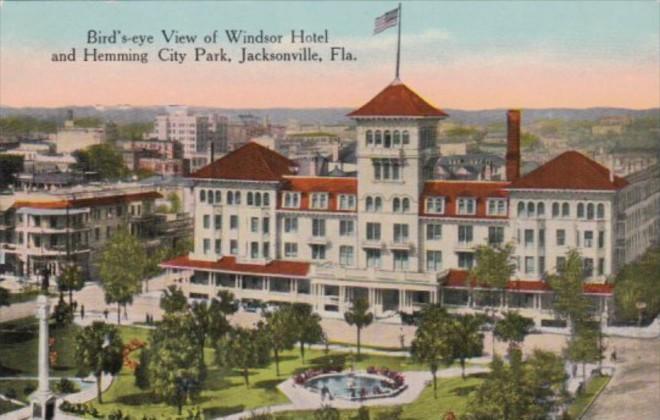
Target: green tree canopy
(102, 158)
(173, 300)
(307, 326)
(99, 349)
(122, 269)
(243, 349)
(570, 301)
(10, 166)
(513, 328)
(637, 284)
(281, 329)
(360, 317)
(465, 338)
(72, 279)
(585, 345)
(431, 345)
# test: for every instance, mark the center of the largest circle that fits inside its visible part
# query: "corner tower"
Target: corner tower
(396, 137)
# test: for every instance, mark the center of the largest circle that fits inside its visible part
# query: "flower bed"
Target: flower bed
(132, 345)
(301, 378)
(395, 377)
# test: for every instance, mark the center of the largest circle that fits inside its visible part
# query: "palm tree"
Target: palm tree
(71, 279)
(513, 328)
(431, 345)
(360, 317)
(307, 325)
(281, 332)
(466, 338)
(99, 349)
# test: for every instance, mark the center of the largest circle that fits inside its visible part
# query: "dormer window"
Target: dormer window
(435, 205)
(466, 206)
(496, 207)
(347, 202)
(291, 200)
(320, 201)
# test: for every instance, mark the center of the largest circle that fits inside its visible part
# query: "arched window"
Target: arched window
(378, 204)
(218, 196)
(266, 199)
(396, 138)
(521, 209)
(370, 204)
(370, 137)
(257, 199)
(530, 209)
(555, 209)
(210, 197)
(590, 211)
(202, 195)
(396, 205)
(387, 139)
(379, 138)
(237, 197)
(580, 211)
(600, 211)
(405, 137)
(540, 209)
(249, 199)
(565, 210)
(230, 197)
(405, 205)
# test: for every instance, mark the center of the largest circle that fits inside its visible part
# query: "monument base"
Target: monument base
(43, 408)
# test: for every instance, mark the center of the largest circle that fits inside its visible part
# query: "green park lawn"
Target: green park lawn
(594, 387)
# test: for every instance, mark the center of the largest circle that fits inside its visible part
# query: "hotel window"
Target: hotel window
(396, 138)
(465, 260)
(265, 225)
(529, 237)
(207, 246)
(530, 209)
(319, 200)
(600, 211)
(495, 235)
(210, 197)
(346, 228)
(561, 237)
(541, 265)
(265, 247)
(233, 247)
(97, 234)
(521, 209)
(202, 195)
(400, 232)
(400, 260)
(588, 267)
(290, 224)
(565, 210)
(291, 200)
(218, 196)
(373, 231)
(601, 239)
(346, 202)
(346, 256)
(373, 258)
(369, 204)
(433, 232)
(435, 205)
(318, 227)
(465, 233)
(257, 199)
(250, 200)
(207, 221)
(588, 238)
(580, 210)
(387, 139)
(405, 137)
(561, 263)
(230, 197)
(254, 224)
(290, 250)
(466, 206)
(237, 197)
(590, 211)
(378, 138)
(529, 265)
(601, 266)
(318, 252)
(387, 169)
(370, 137)
(496, 207)
(217, 222)
(555, 209)
(254, 249)
(266, 199)
(433, 260)
(540, 209)
(233, 222)
(218, 246)
(542, 238)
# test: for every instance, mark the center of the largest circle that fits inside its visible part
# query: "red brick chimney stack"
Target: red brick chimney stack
(512, 145)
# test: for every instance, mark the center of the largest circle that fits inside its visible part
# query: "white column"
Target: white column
(42, 315)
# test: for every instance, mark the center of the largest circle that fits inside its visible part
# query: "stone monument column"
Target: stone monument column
(43, 402)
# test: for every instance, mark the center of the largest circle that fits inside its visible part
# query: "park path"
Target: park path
(18, 310)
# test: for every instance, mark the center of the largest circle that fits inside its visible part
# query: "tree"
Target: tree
(360, 317)
(173, 300)
(142, 370)
(99, 349)
(570, 302)
(175, 367)
(494, 266)
(10, 166)
(280, 326)
(122, 268)
(4, 297)
(104, 158)
(326, 412)
(513, 328)
(175, 202)
(72, 279)
(636, 284)
(465, 338)
(307, 326)
(431, 345)
(209, 320)
(243, 349)
(585, 346)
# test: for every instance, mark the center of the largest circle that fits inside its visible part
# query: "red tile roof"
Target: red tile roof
(251, 162)
(397, 100)
(570, 171)
(458, 279)
(307, 185)
(229, 264)
(88, 202)
(452, 190)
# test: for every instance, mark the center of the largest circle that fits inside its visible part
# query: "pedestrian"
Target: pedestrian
(105, 313)
(402, 338)
(613, 356)
(82, 311)
(574, 372)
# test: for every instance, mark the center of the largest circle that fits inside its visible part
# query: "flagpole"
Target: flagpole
(398, 44)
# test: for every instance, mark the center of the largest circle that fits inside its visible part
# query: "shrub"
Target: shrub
(326, 413)
(29, 389)
(393, 414)
(11, 393)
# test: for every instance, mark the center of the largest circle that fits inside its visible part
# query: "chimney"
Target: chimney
(212, 152)
(513, 145)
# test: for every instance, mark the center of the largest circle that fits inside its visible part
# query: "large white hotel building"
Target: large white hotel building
(398, 237)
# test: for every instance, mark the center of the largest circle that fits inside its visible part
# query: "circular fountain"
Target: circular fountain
(354, 385)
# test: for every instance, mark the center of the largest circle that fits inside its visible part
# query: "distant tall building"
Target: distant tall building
(72, 138)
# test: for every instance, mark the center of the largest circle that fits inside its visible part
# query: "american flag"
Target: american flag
(388, 20)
